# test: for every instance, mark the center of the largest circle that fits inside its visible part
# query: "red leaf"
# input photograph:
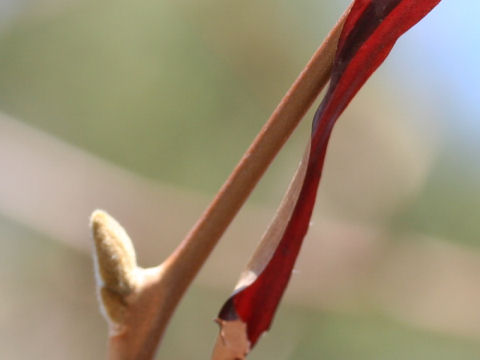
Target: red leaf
(370, 31)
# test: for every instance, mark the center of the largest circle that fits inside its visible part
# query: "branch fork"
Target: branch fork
(138, 303)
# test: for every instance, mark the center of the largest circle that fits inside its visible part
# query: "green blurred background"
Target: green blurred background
(143, 108)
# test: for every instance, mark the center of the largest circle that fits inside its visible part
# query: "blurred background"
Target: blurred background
(143, 107)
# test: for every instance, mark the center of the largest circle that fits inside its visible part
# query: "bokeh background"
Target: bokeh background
(144, 107)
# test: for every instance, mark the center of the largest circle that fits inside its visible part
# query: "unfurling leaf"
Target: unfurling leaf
(370, 32)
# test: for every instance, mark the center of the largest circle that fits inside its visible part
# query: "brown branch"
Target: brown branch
(142, 311)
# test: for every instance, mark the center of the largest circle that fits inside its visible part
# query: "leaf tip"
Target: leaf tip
(232, 342)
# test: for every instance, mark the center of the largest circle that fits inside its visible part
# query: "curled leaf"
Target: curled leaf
(369, 33)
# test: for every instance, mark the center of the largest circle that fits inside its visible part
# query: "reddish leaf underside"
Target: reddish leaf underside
(370, 31)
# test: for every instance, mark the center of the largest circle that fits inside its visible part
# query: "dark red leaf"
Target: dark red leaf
(369, 33)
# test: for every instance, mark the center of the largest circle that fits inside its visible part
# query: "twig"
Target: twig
(141, 313)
